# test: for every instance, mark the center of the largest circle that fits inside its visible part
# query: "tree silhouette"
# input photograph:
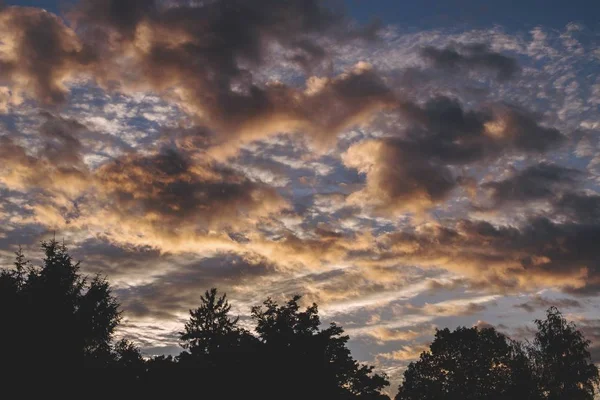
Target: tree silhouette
(562, 360)
(54, 316)
(469, 363)
(210, 331)
(55, 313)
(315, 363)
(218, 350)
(11, 311)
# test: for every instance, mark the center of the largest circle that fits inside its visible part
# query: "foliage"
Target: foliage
(53, 315)
(468, 363)
(320, 357)
(210, 330)
(562, 360)
(472, 363)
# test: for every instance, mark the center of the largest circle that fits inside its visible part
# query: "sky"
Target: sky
(406, 167)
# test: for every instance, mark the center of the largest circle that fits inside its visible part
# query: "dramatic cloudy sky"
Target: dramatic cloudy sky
(406, 167)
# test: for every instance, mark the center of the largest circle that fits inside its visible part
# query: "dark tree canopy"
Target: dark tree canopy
(472, 363)
(211, 331)
(562, 360)
(469, 364)
(56, 313)
(56, 319)
(320, 356)
(288, 355)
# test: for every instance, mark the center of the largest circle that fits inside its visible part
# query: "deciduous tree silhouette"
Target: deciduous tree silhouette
(305, 361)
(562, 360)
(469, 363)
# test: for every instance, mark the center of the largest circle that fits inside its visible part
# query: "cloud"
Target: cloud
(55, 166)
(171, 293)
(471, 57)
(540, 302)
(383, 334)
(579, 206)
(459, 136)
(483, 325)
(522, 130)
(538, 182)
(121, 263)
(406, 353)
(159, 196)
(451, 307)
(398, 179)
(62, 145)
(205, 58)
(591, 330)
(39, 56)
(538, 253)
(171, 191)
(559, 187)
(411, 169)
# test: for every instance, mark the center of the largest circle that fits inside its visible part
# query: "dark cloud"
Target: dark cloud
(325, 108)
(523, 130)
(61, 144)
(224, 32)
(411, 168)
(26, 235)
(579, 206)
(161, 195)
(23, 170)
(115, 260)
(41, 54)
(538, 182)
(444, 130)
(121, 15)
(538, 252)
(559, 187)
(51, 161)
(478, 57)
(539, 302)
(169, 190)
(204, 56)
(179, 290)
(398, 177)
(229, 28)
(441, 129)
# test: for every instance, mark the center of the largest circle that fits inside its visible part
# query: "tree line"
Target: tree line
(56, 319)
